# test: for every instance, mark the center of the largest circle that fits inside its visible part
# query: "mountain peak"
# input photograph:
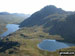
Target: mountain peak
(51, 9)
(38, 17)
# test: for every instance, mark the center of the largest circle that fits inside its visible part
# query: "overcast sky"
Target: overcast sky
(31, 6)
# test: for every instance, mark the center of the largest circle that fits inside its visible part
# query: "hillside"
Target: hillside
(48, 23)
(65, 29)
(55, 21)
(44, 15)
(24, 43)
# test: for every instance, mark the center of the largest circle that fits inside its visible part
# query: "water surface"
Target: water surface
(10, 29)
(53, 45)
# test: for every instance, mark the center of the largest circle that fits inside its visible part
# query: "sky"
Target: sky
(31, 6)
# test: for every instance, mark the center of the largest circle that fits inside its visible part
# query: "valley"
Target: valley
(8, 18)
(49, 22)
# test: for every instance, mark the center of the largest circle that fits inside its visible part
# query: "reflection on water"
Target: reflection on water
(11, 28)
(53, 45)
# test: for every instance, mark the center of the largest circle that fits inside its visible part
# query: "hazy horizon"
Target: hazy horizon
(31, 6)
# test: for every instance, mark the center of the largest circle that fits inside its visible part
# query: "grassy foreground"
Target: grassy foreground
(24, 43)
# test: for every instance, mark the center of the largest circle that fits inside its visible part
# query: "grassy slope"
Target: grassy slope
(24, 43)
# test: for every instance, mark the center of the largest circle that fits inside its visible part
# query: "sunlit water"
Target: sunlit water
(53, 45)
(10, 29)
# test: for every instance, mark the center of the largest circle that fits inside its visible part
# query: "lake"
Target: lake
(50, 45)
(53, 45)
(10, 29)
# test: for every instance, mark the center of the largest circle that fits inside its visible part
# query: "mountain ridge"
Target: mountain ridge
(53, 21)
(44, 12)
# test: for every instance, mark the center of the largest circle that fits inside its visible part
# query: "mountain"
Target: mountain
(39, 17)
(55, 21)
(48, 23)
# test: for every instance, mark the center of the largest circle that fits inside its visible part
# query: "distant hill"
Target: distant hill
(9, 18)
(6, 17)
(21, 15)
(4, 13)
(55, 21)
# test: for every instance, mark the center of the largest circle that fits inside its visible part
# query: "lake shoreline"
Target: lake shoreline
(10, 29)
(45, 45)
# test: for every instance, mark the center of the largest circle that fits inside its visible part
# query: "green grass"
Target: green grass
(28, 38)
